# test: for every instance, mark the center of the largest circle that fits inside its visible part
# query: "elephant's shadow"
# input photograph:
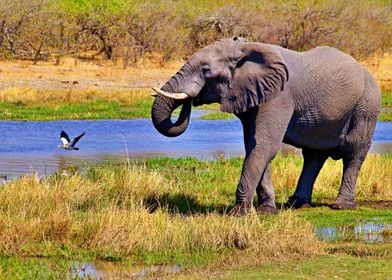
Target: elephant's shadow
(187, 204)
(183, 204)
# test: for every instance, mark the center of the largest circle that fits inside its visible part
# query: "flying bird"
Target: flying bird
(67, 143)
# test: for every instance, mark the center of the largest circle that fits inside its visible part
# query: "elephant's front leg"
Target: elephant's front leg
(265, 129)
(264, 190)
(266, 194)
(253, 168)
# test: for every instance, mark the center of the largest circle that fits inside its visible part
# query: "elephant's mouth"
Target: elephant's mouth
(204, 97)
(196, 101)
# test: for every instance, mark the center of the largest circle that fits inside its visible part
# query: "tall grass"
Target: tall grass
(374, 181)
(165, 210)
(216, 181)
(123, 211)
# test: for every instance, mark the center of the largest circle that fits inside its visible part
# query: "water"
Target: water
(86, 271)
(108, 270)
(372, 231)
(28, 147)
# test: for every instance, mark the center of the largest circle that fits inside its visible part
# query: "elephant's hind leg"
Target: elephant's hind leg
(265, 193)
(354, 151)
(313, 162)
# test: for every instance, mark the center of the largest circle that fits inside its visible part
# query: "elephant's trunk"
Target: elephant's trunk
(179, 90)
(162, 110)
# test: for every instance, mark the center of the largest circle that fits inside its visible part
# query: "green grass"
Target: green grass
(217, 116)
(62, 105)
(324, 216)
(334, 266)
(385, 117)
(93, 105)
(90, 110)
(386, 111)
(34, 268)
(386, 98)
(338, 266)
(172, 211)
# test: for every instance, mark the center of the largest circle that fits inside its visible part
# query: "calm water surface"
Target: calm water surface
(372, 231)
(28, 147)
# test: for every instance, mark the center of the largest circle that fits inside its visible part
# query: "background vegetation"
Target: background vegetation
(173, 211)
(125, 31)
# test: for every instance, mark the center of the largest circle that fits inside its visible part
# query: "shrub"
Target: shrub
(127, 30)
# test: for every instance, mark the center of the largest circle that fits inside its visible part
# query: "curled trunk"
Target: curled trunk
(166, 102)
(162, 110)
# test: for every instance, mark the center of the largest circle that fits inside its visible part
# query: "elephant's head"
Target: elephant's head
(236, 73)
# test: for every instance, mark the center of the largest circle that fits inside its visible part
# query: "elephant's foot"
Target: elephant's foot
(240, 209)
(297, 202)
(343, 204)
(266, 209)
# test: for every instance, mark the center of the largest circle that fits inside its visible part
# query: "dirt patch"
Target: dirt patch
(382, 204)
(84, 75)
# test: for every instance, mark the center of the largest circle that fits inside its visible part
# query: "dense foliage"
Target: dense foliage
(127, 30)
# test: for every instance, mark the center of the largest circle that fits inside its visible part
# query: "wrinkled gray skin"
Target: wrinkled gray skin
(322, 101)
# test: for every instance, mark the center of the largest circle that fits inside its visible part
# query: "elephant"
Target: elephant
(321, 101)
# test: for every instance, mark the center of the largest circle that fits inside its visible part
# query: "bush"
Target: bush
(128, 30)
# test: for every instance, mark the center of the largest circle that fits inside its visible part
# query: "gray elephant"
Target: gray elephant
(322, 101)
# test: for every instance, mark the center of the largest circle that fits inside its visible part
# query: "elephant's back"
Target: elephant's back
(326, 84)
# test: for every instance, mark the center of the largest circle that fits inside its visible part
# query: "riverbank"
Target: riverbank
(70, 104)
(172, 212)
(88, 90)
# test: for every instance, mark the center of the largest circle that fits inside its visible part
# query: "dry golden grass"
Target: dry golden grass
(126, 232)
(108, 213)
(87, 75)
(381, 67)
(374, 180)
(71, 96)
(96, 75)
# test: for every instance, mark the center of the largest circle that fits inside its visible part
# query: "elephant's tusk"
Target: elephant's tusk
(177, 96)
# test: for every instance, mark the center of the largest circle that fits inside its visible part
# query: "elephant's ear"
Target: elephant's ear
(259, 75)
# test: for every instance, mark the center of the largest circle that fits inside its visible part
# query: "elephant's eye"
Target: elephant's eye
(206, 71)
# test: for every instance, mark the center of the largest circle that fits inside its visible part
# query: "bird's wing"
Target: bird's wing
(76, 139)
(64, 137)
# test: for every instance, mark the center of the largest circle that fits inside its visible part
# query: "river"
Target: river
(28, 146)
